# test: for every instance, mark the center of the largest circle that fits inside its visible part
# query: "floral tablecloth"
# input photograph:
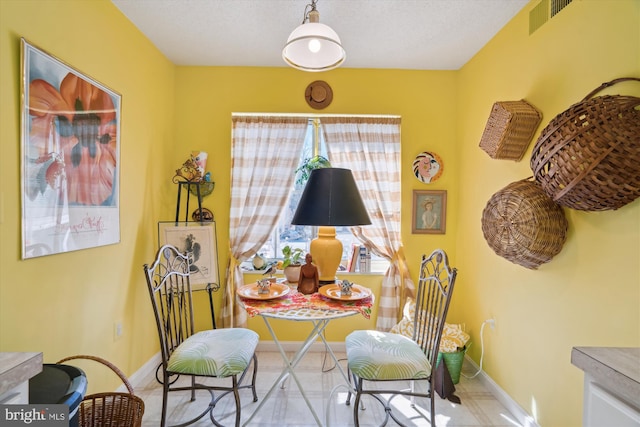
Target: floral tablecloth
(296, 300)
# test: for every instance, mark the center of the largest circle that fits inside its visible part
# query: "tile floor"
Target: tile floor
(326, 390)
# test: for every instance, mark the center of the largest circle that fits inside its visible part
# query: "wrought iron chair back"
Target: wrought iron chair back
(435, 287)
(170, 290)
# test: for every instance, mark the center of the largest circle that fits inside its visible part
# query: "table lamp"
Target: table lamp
(329, 199)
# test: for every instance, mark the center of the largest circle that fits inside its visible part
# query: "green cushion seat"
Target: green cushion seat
(375, 355)
(216, 353)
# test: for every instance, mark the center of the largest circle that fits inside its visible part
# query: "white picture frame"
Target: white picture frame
(198, 238)
(70, 157)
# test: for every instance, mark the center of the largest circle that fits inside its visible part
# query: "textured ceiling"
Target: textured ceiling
(404, 34)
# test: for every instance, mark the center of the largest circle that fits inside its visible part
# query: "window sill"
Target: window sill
(280, 275)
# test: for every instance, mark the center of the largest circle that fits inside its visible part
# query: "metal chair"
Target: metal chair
(383, 357)
(215, 353)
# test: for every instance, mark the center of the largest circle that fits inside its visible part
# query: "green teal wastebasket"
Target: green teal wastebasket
(453, 362)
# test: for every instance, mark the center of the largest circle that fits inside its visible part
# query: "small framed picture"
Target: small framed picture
(199, 238)
(429, 212)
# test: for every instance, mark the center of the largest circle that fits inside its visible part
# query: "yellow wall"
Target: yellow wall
(207, 96)
(68, 304)
(587, 295)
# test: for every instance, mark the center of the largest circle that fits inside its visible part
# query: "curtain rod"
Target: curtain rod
(314, 115)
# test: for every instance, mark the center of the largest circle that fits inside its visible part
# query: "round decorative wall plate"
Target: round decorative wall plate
(207, 215)
(428, 167)
(318, 94)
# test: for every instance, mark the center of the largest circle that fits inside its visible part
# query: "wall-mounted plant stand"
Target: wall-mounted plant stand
(198, 190)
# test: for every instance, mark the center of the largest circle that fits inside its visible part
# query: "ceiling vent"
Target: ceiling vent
(544, 11)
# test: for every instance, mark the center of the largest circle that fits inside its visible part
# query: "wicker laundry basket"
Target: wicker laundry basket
(509, 129)
(110, 409)
(523, 225)
(588, 157)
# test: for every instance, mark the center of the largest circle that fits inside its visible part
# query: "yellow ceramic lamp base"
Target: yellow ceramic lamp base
(326, 252)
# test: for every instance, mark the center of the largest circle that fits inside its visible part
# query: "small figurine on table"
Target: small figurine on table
(345, 288)
(309, 278)
(264, 286)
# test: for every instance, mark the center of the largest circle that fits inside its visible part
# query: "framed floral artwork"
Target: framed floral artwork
(429, 212)
(199, 238)
(70, 158)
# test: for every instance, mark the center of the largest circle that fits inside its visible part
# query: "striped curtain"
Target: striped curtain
(370, 147)
(264, 155)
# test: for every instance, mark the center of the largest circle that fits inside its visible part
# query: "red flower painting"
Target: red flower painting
(73, 141)
(70, 155)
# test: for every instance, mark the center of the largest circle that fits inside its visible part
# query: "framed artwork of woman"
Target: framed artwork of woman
(429, 212)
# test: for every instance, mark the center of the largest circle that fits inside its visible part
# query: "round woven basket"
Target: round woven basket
(523, 225)
(588, 157)
(111, 409)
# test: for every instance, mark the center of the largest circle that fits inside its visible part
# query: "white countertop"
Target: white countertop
(16, 368)
(615, 368)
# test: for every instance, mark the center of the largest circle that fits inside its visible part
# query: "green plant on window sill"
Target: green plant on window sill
(304, 170)
(292, 256)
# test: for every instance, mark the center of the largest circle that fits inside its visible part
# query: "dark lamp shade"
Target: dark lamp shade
(331, 198)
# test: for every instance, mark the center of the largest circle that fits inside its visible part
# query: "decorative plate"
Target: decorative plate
(333, 291)
(276, 290)
(207, 215)
(427, 167)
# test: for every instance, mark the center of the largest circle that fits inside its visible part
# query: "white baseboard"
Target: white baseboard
(523, 418)
(142, 374)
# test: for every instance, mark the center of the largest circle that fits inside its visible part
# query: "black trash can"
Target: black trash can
(59, 384)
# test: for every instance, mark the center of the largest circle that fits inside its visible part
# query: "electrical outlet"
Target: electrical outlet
(491, 323)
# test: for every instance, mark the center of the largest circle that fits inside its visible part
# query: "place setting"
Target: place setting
(264, 290)
(269, 296)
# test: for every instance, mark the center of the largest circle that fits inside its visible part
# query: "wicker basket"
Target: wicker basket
(509, 130)
(588, 157)
(111, 409)
(523, 225)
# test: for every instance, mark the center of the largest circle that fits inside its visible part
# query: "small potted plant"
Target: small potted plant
(308, 165)
(291, 263)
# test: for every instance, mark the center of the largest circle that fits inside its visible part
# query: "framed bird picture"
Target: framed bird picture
(199, 238)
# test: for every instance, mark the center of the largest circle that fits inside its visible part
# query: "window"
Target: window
(299, 236)
(265, 150)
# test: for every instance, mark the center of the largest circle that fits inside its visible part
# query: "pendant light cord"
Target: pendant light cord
(311, 5)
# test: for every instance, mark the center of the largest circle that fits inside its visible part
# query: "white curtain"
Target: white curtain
(370, 147)
(264, 155)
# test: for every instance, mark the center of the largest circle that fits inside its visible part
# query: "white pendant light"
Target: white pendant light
(313, 46)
